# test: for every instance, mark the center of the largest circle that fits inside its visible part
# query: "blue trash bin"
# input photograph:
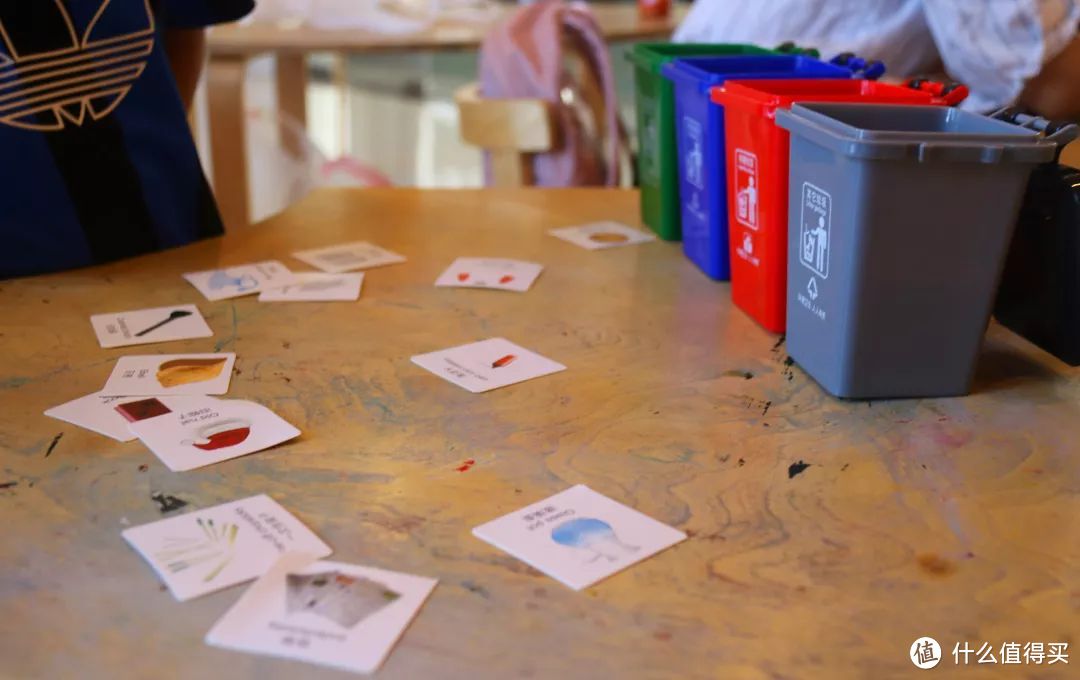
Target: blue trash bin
(699, 132)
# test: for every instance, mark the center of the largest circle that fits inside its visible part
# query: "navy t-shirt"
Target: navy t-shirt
(97, 161)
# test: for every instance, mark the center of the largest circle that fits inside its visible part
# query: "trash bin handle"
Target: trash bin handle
(947, 93)
(1058, 132)
(870, 70)
(790, 47)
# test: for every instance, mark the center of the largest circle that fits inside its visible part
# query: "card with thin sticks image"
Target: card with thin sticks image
(217, 547)
(213, 551)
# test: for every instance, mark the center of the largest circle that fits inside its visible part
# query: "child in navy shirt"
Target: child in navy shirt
(97, 161)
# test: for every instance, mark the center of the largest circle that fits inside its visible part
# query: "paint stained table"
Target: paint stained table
(826, 536)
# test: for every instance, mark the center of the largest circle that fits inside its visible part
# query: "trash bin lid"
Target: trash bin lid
(708, 72)
(764, 97)
(652, 56)
(923, 133)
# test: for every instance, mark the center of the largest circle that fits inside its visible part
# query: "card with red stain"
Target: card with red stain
(487, 365)
(134, 411)
(109, 416)
(201, 431)
(495, 274)
(602, 235)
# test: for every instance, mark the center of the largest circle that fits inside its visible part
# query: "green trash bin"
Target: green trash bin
(658, 172)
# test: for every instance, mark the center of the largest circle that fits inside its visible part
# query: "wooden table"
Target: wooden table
(232, 47)
(954, 518)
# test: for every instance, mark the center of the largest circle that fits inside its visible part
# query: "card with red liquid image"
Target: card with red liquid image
(202, 431)
(487, 365)
(496, 274)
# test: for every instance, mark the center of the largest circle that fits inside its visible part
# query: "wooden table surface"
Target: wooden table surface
(617, 21)
(954, 518)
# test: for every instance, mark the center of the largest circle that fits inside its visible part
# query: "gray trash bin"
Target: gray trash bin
(899, 222)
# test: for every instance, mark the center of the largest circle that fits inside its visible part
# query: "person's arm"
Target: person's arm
(1055, 92)
(184, 23)
(998, 47)
(186, 48)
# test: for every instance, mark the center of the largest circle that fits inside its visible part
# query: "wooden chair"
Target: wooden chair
(510, 130)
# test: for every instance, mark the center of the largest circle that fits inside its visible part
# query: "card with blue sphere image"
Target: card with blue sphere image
(579, 537)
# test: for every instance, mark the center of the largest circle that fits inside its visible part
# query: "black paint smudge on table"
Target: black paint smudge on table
(55, 441)
(796, 469)
(167, 503)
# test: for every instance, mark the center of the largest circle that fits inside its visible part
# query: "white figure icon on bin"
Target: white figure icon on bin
(695, 163)
(815, 247)
(747, 203)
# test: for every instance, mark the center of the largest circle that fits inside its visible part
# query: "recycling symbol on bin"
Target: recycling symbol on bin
(811, 288)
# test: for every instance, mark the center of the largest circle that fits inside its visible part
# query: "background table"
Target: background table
(233, 46)
(954, 518)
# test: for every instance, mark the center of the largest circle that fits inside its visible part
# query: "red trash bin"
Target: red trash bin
(757, 171)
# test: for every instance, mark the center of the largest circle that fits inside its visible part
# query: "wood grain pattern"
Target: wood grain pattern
(955, 518)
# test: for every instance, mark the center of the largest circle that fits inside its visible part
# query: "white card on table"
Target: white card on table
(600, 235)
(165, 374)
(204, 430)
(348, 256)
(206, 550)
(497, 274)
(487, 365)
(578, 536)
(247, 279)
(317, 287)
(98, 414)
(144, 326)
(330, 613)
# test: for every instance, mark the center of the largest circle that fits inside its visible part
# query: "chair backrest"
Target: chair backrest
(510, 130)
(555, 52)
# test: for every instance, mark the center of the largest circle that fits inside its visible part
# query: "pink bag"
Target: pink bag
(522, 58)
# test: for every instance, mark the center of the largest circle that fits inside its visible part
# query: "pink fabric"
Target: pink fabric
(522, 57)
